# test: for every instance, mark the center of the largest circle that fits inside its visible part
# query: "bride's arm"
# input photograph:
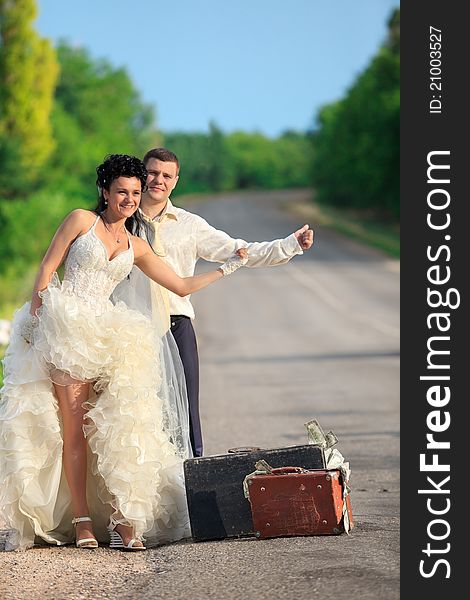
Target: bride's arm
(155, 268)
(72, 226)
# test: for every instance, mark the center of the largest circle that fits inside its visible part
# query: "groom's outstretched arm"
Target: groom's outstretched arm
(216, 246)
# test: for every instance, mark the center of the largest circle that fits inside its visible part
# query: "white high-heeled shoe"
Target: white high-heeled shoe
(116, 541)
(87, 543)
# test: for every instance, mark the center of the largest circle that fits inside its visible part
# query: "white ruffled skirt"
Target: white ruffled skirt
(133, 465)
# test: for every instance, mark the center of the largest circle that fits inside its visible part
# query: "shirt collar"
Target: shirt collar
(169, 212)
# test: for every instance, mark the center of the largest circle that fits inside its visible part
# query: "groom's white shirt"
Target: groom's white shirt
(182, 237)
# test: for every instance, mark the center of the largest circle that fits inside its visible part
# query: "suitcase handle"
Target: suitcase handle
(244, 450)
(287, 470)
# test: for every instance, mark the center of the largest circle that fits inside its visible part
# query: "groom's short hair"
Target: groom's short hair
(162, 154)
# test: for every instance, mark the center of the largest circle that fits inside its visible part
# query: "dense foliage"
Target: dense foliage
(97, 111)
(356, 144)
(28, 74)
(240, 160)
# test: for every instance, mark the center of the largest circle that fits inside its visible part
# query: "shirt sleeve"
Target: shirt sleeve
(217, 246)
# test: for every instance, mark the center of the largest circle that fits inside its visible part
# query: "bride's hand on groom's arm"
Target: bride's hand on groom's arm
(239, 259)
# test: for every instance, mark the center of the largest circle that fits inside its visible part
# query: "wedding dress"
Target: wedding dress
(136, 422)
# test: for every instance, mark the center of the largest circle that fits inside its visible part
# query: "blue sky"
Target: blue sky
(265, 65)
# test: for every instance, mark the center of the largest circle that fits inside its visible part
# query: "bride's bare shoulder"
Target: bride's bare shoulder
(82, 215)
(78, 221)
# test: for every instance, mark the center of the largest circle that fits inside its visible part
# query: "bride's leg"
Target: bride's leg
(71, 397)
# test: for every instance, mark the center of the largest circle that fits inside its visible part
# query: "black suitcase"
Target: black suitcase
(214, 487)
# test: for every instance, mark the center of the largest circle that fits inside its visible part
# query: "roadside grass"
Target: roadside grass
(364, 226)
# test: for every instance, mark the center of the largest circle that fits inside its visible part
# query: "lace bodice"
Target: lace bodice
(90, 274)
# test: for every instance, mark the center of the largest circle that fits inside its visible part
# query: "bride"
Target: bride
(93, 429)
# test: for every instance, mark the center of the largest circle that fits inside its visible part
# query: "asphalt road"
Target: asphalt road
(317, 338)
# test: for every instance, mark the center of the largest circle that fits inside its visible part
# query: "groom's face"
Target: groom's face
(161, 180)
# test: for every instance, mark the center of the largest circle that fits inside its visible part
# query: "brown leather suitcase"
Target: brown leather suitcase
(292, 501)
(214, 487)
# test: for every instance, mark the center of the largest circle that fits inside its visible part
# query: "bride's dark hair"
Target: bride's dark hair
(123, 165)
(114, 166)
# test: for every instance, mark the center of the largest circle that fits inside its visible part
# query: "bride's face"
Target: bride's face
(123, 196)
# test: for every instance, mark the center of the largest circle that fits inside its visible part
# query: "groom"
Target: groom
(181, 238)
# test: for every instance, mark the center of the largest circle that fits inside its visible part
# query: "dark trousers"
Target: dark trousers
(185, 338)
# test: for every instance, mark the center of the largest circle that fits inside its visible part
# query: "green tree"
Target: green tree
(97, 111)
(216, 161)
(205, 160)
(294, 151)
(254, 160)
(28, 74)
(356, 145)
(262, 162)
(221, 169)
